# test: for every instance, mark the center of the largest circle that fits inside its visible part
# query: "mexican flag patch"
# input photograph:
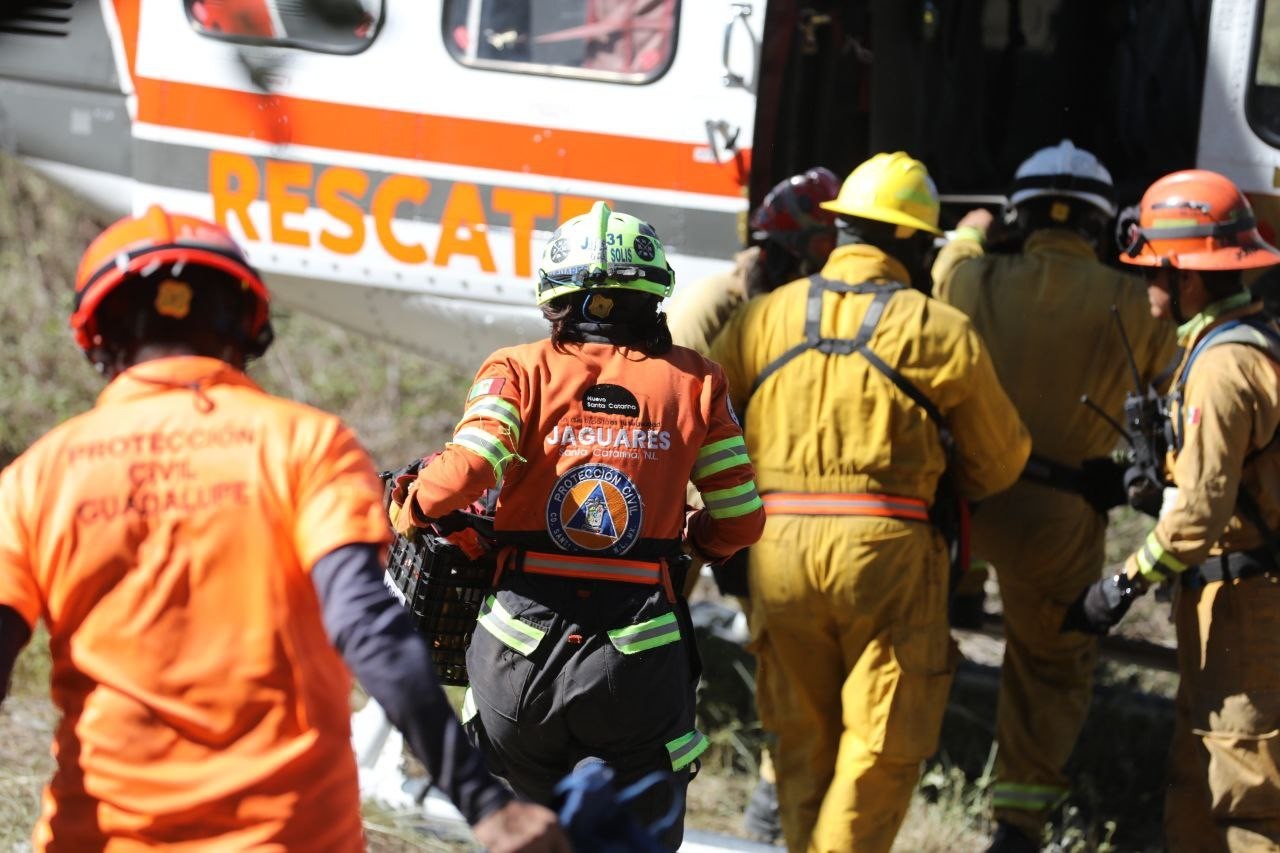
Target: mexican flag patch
(485, 388)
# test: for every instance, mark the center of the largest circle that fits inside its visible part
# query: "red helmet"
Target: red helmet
(790, 215)
(137, 245)
(1195, 220)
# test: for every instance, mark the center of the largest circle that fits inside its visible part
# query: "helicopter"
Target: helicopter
(396, 166)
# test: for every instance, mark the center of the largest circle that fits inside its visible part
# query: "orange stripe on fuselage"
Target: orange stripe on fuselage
(604, 158)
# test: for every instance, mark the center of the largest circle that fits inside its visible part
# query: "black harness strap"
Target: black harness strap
(813, 340)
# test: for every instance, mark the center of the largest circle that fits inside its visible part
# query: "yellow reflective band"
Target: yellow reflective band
(720, 455)
(509, 630)
(733, 502)
(684, 749)
(487, 447)
(494, 408)
(1010, 795)
(660, 631)
(1156, 563)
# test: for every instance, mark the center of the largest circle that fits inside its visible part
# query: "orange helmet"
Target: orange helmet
(1195, 220)
(136, 246)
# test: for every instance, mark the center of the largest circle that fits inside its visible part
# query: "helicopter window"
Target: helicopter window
(329, 26)
(628, 41)
(1263, 101)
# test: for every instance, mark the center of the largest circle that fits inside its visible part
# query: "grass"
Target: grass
(402, 405)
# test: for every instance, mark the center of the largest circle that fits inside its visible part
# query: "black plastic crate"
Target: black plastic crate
(443, 589)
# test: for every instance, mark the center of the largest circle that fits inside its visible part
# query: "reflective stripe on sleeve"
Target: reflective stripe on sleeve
(509, 630)
(731, 503)
(495, 408)
(647, 635)
(719, 455)
(1155, 563)
(468, 707)
(684, 749)
(486, 446)
(1035, 798)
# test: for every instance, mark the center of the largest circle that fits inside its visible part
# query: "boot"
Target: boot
(760, 820)
(1010, 839)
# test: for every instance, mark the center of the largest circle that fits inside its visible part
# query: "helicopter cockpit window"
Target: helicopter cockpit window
(1263, 102)
(628, 41)
(329, 26)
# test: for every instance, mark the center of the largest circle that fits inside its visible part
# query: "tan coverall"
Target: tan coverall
(1045, 315)
(849, 613)
(698, 312)
(1224, 762)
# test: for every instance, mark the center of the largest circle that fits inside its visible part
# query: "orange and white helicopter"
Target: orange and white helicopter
(395, 165)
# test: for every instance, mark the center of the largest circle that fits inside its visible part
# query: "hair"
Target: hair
(215, 321)
(912, 251)
(1066, 212)
(1219, 284)
(638, 325)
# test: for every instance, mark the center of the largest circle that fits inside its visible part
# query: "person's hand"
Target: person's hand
(979, 218)
(1101, 605)
(520, 827)
(1144, 489)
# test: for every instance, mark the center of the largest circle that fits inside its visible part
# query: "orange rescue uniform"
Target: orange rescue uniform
(584, 649)
(165, 538)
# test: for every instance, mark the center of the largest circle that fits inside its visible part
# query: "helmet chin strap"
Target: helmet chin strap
(1175, 305)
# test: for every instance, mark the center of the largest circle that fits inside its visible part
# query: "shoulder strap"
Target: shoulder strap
(1252, 331)
(818, 288)
(860, 343)
(1257, 332)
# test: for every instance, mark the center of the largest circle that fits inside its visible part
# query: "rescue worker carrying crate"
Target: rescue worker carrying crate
(1046, 316)
(206, 557)
(585, 648)
(1219, 543)
(856, 382)
(791, 235)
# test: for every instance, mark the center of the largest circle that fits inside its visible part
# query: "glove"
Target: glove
(399, 483)
(1101, 605)
(403, 515)
(967, 611)
(1143, 489)
(731, 574)
(1102, 483)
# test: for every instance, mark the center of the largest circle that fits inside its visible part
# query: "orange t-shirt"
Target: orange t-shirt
(593, 447)
(165, 538)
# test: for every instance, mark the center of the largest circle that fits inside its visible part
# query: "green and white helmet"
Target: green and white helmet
(600, 250)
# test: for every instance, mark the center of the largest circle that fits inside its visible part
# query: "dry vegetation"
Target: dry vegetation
(402, 405)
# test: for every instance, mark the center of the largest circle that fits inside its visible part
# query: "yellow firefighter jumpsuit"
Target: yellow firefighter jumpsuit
(1045, 315)
(1224, 764)
(849, 613)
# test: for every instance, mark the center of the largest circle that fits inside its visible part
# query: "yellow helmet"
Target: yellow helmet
(894, 188)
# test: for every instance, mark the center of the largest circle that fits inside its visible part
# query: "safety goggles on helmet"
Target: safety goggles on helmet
(134, 247)
(602, 249)
(1194, 220)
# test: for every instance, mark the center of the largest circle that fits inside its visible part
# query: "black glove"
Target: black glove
(966, 612)
(1101, 605)
(1144, 489)
(731, 574)
(1102, 483)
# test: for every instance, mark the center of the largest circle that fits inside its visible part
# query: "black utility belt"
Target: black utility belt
(1055, 475)
(1233, 566)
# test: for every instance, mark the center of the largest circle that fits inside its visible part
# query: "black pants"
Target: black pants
(574, 695)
